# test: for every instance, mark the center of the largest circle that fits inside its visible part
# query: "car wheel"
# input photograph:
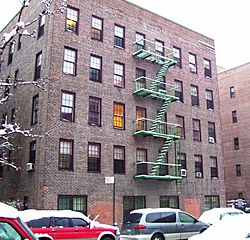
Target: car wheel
(157, 236)
(107, 238)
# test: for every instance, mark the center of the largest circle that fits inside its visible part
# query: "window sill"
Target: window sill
(119, 47)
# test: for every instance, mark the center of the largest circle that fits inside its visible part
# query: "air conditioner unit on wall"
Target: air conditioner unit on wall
(183, 172)
(211, 140)
(30, 167)
(198, 174)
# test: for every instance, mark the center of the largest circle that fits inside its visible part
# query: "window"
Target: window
(119, 36)
(95, 69)
(179, 90)
(211, 132)
(140, 83)
(181, 127)
(211, 201)
(7, 88)
(177, 56)
(209, 99)
(32, 158)
(192, 63)
(139, 41)
(159, 47)
(69, 62)
(41, 25)
(183, 161)
(11, 52)
(75, 203)
(198, 166)
(94, 157)
(68, 106)
(119, 159)
(194, 96)
(19, 42)
(234, 117)
(38, 64)
(207, 68)
(8, 232)
(140, 124)
(94, 111)
(13, 115)
(238, 170)
(72, 20)
(97, 28)
(35, 105)
(213, 167)
(196, 130)
(141, 158)
(232, 92)
(119, 115)
(119, 80)
(66, 155)
(169, 201)
(236, 144)
(131, 203)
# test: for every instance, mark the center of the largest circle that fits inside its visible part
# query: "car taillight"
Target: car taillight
(139, 227)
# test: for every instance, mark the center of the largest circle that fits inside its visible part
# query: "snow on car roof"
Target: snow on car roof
(8, 211)
(214, 214)
(150, 210)
(32, 214)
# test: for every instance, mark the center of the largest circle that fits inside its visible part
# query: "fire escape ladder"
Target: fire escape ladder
(161, 158)
(156, 123)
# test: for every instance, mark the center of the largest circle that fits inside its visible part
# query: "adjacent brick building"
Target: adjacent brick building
(234, 85)
(104, 110)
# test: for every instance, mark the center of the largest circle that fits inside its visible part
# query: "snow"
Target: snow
(8, 211)
(216, 214)
(229, 228)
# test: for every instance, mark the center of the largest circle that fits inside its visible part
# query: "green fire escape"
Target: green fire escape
(158, 90)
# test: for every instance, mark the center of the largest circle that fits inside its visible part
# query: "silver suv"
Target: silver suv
(160, 224)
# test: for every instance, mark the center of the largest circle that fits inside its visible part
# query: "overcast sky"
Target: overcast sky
(226, 21)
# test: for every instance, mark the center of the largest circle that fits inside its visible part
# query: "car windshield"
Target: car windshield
(27, 228)
(133, 218)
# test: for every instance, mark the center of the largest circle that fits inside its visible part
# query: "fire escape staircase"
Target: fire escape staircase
(157, 128)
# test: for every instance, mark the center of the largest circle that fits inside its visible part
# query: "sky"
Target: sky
(225, 21)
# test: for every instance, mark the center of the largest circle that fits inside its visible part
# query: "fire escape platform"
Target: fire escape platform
(146, 133)
(156, 177)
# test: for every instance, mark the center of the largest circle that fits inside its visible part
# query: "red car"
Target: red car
(67, 224)
(12, 227)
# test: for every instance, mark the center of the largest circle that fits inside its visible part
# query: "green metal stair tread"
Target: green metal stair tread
(165, 177)
(155, 94)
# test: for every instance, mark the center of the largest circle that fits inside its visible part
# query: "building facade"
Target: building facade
(234, 87)
(131, 97)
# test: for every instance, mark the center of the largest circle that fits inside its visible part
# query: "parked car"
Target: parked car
(216, 214)
(67, 224)
(160, 224)
(13, 228)
(229, 228)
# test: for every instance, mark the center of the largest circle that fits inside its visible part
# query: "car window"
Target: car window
(163, 217)
(229, 213)
(78, 222)
(186, 218)
(61, 222)
(7, 232)
(133, 218)
(40, 223)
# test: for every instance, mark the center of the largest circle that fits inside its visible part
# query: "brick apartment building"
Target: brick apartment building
(115, 73)
(234, 85)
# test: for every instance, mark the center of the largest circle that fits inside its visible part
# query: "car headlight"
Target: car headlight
(117, 232)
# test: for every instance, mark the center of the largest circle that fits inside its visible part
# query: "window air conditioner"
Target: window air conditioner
(162, 91)
(192, 68)
(30, 167)
(198, 174)
(183, 172)
(211, 140)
